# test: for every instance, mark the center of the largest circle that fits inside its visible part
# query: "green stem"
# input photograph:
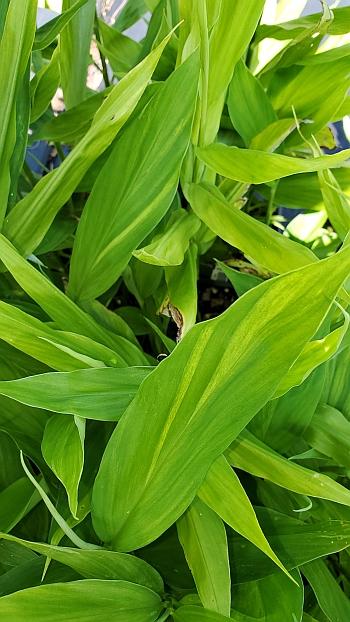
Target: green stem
(103, 60)
(164, 616)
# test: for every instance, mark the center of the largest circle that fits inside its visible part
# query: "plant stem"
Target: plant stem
(103, 60)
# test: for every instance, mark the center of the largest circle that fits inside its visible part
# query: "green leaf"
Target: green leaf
(169, 247)
(89, 601)
(258, 241)
(154, 146)
(74, 51)
(15, 48)
(328, 432)
(336, 203)
(47, 33)
(63, 451)
(253, 456)
(59, 350)
(43, 87)
(257, 600)
(122, 52)
(250, 108)
(100, 564)
(181, 281)
(224, 493)
(258, 167)
(203, 539)
(241, 281)
(61, 309)
(141, 489)
(101, 394)
(29, 221)
(331, 598)
(294, 541)
(189, 613)
(229, 38)
(15, 502)
(314, 354)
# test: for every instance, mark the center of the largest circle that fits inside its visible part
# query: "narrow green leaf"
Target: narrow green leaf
(190, 613)
(258, 600)
(249, 106)
(328, 432)
(295, 542)
(63, 451)
(253, 456)
(314, 354)
(57, 349)
(16, 500)
(336, 203)
(44, 86)
(89, 600)
(29, 221)
(142, 488)
(137, 197)
(258, 167)
(331, 598)
(224, 493)
(100, 394)
(100, 564)
(181, 281)
(203, 539)
(229, 38)
(169, 247)
(15, 48)
(47, 33)
(258, 241)
(61, 309)
(74, 51)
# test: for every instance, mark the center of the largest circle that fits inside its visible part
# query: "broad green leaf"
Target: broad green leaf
(314, 354)
(63, 451)
(89, 600)
(229, 38)
(74, 51)
(15, 48)
(15, 502)
(100, 564)
(224, 493)
(331, 598)
(249, 106)
(258, 167)
(328, 432)
(138, 197)
(47, 33)
(258, 241)
(181, 281)
(190, 613)
(253, 456)
(29, 221)
(101, 394)
(336, 203)
(61, 309)
(294, 541)
(130, 12)
(219, 368)
(44, 86)
(272, 599)
(169, 247)
(203, 539)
